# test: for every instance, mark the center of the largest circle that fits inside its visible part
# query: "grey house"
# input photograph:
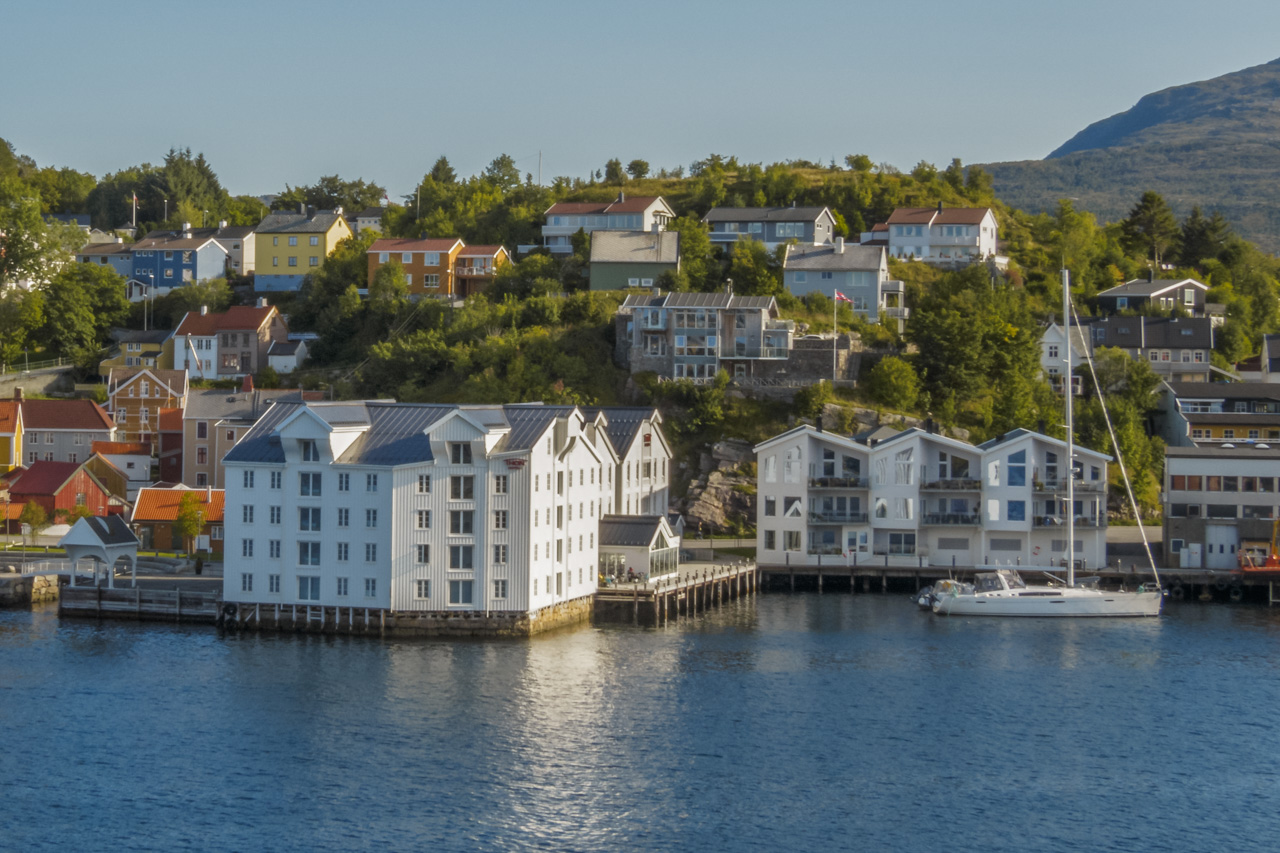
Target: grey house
(772, 226)
(859, 273)
(1167, 294)
(622, 259)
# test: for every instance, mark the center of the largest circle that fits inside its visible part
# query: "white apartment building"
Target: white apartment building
(407, 507)
(920, 498)
(643, 483)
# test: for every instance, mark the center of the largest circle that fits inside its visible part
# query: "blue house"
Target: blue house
(118, 256)
(163, 260)
(773, 226)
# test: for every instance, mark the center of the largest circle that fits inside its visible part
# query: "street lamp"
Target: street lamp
(166, 210)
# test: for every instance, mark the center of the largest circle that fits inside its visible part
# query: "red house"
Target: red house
(59, 486)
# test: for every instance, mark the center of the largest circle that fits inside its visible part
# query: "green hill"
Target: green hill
(1215, 143)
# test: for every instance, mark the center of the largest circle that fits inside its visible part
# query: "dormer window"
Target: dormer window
(460, 453)
(310, 453)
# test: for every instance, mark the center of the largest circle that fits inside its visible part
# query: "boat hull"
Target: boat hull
(1061, 603)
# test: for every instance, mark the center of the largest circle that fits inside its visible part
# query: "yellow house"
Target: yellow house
(135, 349)
(292, 245)
(10, 435)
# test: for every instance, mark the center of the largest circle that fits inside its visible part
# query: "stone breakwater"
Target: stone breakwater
(21, 590)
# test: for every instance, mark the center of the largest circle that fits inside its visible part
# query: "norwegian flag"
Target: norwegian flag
(840, 297)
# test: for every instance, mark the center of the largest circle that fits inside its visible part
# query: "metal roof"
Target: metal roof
(1144, 287)
(111, 530)
(622, 423)
(763, 214)
(826, 257)
(280, 223)
(635, 247)
(629, 531)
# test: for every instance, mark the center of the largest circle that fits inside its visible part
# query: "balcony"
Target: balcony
(478, 270)
(837, 482)
(779, 325)
(894, 313)
(1060, 486)
(734, 351)
(951, 519)
(838, 517)
(825, 550)
(953, 484)
(1080, 521)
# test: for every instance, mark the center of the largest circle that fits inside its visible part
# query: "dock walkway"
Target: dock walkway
(699, 586)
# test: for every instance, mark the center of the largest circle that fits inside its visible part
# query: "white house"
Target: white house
(285, 356)
(919, 498)
(643, 483)
(859, 273)
(956, 235)
(566, 218)
(407, 507)
(1053, 354)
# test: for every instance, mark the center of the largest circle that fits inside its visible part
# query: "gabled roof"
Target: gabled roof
(1225, 391)
(482, 251)
(764, 214)
(631, 531)
(221, 404)
(1142, 332)
(635, 247)
(721, 301)
(431, 244)
(174, 380)
(106, 249)
(828, 257)
(297, 223)
(172, 241)
(284, 348)
(171, 420)
(1021, 432)
(238, 318)
(9, 410)
(371, 213)
(162, 505)
(938, 215)
(623, 423)
(1149, 288)
(807, 430)
(622, 204)
(925, 434)
(46, 478)
(109, 529)
(83, 415)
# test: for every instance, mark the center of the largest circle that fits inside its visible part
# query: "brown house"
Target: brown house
(428, 264)
(227, 345)
(476, 266)
(135, 396)
(156, 511)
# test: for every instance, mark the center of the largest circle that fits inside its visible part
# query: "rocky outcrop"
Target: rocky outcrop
(723, 494)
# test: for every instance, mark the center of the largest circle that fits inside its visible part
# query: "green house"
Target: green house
(622, 259)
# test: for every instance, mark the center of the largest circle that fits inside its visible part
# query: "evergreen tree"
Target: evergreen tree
(1150, 227)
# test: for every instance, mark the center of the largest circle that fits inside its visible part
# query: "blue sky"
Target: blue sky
(284, 92)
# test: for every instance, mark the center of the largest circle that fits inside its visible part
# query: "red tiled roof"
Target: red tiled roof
(880, 226)
(9, 416)
(64, 414)
(136, 448)
(440, 244)
(931, 215)
(162, 504)
(238, 318)
(171, 420)
(638, 204)
(480, 252)
(43, 478)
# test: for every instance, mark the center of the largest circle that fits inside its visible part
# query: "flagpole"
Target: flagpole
(835, 336)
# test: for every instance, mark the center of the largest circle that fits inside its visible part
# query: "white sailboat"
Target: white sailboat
(1001, 591)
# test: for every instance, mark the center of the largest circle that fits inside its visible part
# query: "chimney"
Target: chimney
(338, 210)
(247, 385)
(302, 208)
(17, 395)
(939, 208)
(1042, 426)
(222, 223)
(839, 245)
(208, 494)
(1151, 274)
(621, 197)
(204, 309)
(262, 302)
(119, 239)
(928, 425)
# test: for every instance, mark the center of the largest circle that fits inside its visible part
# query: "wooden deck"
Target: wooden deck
(694, 591)
(163, 605)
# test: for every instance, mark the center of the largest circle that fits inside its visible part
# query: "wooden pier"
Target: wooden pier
(695, 591)
(158, 605)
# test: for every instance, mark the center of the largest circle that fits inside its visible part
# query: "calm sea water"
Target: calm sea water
(799, 722)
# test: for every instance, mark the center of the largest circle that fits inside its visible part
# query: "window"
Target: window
(315, 241)
(343, 586)
(500, 519)
(309, 588)
(499, 589)
(770, 540)
(309, 485)
(791, 540)
(168, 273)
(424, 484)
(276, 477)
(246, 582)
(1016, 511)
(461, 557)
(246, 547)
(293, 260)
(422, 589)
(308, 553)
(500, 554)
(248, 479)
(202, 479)
(215, 532)
(370, 552)
(202, 456)
(310, 453)
(432, 280)
(344, 551)
(424, 519)
(313, 261)
(246, 514)
(344, 482)
(371, 482)
(460, 453)
(424, 554)
(273, 549)
(293, 241)
(309, 518)
(1016, 472)
(273, 583)
(460, 592)
(275, 514)
(344, 517)
(500, 484)
(461, 522)
(370, 587)
(370, 518)
(462, 488)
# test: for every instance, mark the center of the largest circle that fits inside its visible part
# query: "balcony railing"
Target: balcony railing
(825, 550)
(780, 325)
(896, 313)
(734, 351)
(465, 269)
(954, 484)
(1059, 521)
(838, 517)
(951, 519)
(837, 482)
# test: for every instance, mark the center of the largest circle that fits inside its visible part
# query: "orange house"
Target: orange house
(476, 266)
(428, 264)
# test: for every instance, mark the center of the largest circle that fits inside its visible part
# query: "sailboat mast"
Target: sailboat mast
(1071, 446)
